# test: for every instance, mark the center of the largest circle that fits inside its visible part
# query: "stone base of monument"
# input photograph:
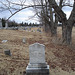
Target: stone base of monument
(37, 69)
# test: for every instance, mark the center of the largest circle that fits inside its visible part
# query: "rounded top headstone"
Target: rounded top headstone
(37, 53)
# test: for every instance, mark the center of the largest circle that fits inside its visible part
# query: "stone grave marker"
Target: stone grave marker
(38, 30)
(37, 64)
(7, 52)
(37, 53)
(3, 41)
(24, 40)
(0, 23)
(6, 25)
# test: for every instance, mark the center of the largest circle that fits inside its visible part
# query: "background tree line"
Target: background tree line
(15, 24)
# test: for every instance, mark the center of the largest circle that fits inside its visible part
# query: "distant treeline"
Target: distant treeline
(15, 24)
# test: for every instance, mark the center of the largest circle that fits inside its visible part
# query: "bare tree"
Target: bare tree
(67, 24)
(46, 16)
(48, 8)
(56, 8)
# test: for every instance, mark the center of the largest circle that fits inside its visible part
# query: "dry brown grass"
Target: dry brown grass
(60, 57)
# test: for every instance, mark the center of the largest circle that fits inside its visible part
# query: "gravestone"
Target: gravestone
(37, 64)
(0, 23)
(38, 30)
(6, 25)
(4, 41)
(7, 52)
(24, 40)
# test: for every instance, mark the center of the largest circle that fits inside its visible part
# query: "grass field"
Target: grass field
(61, 58)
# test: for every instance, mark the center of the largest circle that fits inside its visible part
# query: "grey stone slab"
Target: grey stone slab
(7, 52)
(38, 30)
(24, 40)
(3, 41)
(37, 71)
(6, 25)
(43, 65)
(0, 23)
(37, 53)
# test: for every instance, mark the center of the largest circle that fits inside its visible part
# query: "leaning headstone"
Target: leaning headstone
(37, 64)
(7, 52)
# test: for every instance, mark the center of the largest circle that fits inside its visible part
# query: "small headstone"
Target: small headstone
(7, 52)
(6, 25)
(24, 40)
(38, 30)
(25, 28)
(3, 41)
(15, 28)
(37, 64)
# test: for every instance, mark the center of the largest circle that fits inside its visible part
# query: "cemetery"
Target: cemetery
(37, 37)
(34, 53)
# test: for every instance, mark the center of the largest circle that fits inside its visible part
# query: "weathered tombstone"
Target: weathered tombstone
(4, 41)
(38, 30)
(0, 23)
(37, 64)
(7, 52)
(24, 40)
(6, 25)
(25, 28)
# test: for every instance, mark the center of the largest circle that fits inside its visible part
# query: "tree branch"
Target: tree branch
(58, 9)
(22, 9)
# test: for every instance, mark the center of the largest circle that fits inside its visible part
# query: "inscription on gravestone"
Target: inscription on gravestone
(37, 53)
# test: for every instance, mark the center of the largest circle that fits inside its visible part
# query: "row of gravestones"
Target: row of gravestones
(37, 64)
(17, 28)
(20, 28)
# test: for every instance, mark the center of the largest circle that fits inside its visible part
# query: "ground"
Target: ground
(60, 58)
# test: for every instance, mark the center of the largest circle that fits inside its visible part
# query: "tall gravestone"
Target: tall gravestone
(0, 23)
(37, 64)
(6, 25)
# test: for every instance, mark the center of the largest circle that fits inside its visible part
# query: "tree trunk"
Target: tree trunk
(64, 32)
(66, 24)
(53, 29)
(69, 35)
(46, 28)
(67, 32)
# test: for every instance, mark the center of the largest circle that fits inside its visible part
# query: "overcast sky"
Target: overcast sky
(24, 15)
